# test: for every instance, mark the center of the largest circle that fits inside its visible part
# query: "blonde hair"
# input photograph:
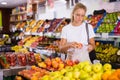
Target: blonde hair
(78, 6)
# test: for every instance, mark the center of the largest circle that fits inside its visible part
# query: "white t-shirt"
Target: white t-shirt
(77, 33)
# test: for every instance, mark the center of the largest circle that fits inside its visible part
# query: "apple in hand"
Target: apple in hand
(78, 45)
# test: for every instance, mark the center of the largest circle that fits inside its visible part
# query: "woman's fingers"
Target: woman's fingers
(76, 45)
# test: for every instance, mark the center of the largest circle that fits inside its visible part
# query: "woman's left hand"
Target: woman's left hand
(90, 48)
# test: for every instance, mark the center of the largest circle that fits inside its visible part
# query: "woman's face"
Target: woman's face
(78, 15)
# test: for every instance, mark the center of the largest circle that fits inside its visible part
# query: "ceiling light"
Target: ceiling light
(3, 3)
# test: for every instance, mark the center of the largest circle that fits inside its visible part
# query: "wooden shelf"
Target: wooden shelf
(18, 20)
(20, 13)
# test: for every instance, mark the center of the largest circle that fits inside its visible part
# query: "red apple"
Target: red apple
(69, 62)
(48, 62)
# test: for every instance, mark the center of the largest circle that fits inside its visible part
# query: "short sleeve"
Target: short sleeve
(91, 31)
(64, 33)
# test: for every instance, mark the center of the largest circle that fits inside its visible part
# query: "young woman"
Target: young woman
(74, 35)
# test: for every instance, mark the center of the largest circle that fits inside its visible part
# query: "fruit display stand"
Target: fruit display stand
(82, 71)
(13, 63)
(9, 74)
(34, 40)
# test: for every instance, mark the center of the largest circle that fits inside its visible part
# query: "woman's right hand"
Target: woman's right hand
(75, 45)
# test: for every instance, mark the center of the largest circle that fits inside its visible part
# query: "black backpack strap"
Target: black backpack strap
(92, 54)
(87, 31)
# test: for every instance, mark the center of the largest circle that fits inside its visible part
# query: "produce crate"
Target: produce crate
(99, 22)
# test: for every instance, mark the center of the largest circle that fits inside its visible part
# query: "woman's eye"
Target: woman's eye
(79, 15)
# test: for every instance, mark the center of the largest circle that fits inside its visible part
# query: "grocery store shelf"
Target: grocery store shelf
(19, 13)
(106, 35)
(18, 20)
(57, 35)
(13, 70)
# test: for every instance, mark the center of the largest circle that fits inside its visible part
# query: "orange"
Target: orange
(113, 77)
(97, 43)
(105, 75)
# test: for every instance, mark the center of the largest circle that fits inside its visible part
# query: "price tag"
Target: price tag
(40, 34)
(30, 49)
(62, 56)
(105, 35)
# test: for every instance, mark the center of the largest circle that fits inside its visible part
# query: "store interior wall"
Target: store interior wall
(5, 19)
(60, 11)
(0, 19)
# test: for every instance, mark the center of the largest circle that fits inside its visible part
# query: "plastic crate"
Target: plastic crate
(99, 22)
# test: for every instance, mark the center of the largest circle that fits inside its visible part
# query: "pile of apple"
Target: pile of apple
(34, 73)
(82, 71)
(55, 64)
(95, 19)
(106, 27)
(111, 17)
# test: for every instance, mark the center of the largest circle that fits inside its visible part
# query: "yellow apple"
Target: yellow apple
(83, 75)
(97, 67)
(107, 67)
(69, 74)
(76, 74)
(87, 68)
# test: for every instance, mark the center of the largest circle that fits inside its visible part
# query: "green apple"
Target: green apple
(83, 75)
(86, 62)
(63, 71)
(89, 78)
(69, 74)
(57, 78)
(76, 69)
(72, 79)
(91, 73)
(76, 74)
(87, 68)
(69, 68)
(97, 67)
(66, 78)
(46, 77)
(55, 74)
(97, 76)
(82, 64)
(107, 67)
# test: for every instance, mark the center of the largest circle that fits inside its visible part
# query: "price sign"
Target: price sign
(1, 74)
(105, 35)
